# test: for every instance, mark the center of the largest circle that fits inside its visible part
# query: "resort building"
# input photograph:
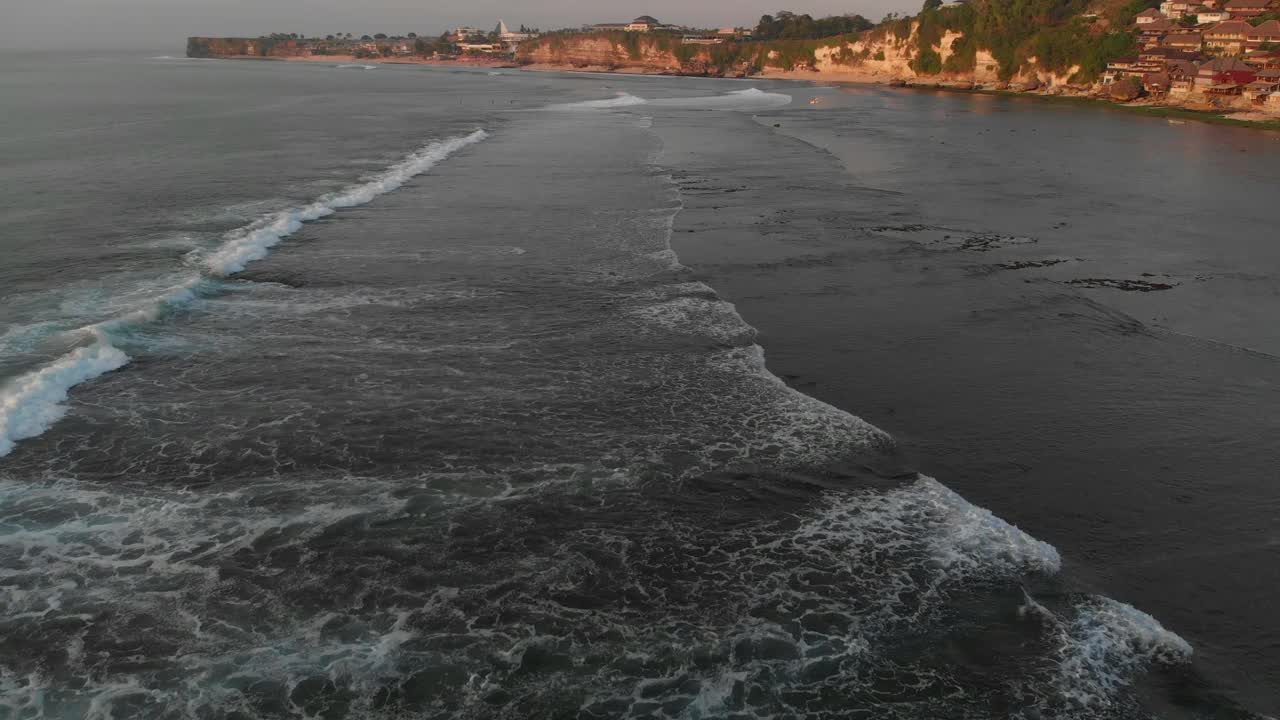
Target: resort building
(1224, 76)
(1228, 37)
(1184, 41)
(1247, 8)
(644, 23)
(1266, 33)
(1176, 9)
(1206, 16)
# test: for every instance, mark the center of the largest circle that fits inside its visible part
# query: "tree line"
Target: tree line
(787, 25)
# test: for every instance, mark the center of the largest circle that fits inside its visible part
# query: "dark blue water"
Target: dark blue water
(333, 392)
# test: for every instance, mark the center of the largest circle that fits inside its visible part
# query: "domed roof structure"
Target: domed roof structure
(645, 20)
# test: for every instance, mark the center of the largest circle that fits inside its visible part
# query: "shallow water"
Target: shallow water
(388, 395)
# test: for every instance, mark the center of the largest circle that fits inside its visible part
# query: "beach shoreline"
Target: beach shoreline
(1172, 111)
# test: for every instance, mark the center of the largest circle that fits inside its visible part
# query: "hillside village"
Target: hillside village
(1223, 53)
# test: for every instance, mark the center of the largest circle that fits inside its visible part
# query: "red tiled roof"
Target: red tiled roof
(1248, 4)
(1224, 64)
(1230, 27)
(1270, 28)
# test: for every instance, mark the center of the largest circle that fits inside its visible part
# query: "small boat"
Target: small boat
(1176, 122)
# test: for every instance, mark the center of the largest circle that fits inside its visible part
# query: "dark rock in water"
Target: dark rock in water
(897, 82)
(1125, 285)
(1026, 264)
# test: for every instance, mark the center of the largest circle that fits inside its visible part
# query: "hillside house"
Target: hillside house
(1207, 16)
(1224, 76)
(1148, 16)
(1184, 41)
(1259, 90)
(1229, 37)
(1267, 32)
(1177, 9)
(1263, 59)
(1247, 8)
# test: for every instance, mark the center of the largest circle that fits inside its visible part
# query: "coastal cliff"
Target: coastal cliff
(637, 53)
(904, 52)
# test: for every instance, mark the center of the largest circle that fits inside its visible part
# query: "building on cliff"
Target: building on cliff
(644, 23)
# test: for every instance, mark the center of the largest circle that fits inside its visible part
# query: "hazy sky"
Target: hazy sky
(95, 24)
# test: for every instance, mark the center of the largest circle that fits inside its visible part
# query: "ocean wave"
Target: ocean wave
(33, 402)
(749, 99)
(1103, 647)
(622, 100)
(356, 67)
(252, 243)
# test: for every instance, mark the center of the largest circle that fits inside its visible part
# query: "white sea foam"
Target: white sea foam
(960, 538)
(356, 67)
(32, 403)
(699, 316)
(622, 100)
(255, 241)
(749, 99)
(1103, 647)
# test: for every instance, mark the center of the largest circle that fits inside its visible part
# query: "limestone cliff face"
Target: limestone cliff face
(631, 53)
(884, 57)
(876, 56)
(601, 51)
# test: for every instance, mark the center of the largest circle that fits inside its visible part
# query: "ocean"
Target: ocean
(345, 391)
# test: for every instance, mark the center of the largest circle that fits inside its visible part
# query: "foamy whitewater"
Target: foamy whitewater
(485, 448)
(32, 403)
(741, 100)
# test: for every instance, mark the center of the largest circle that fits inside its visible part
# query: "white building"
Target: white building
(510, 38)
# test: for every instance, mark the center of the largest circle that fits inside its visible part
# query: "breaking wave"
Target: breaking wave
(251, 243)
(749, 99)
(622, 100)
(32, 403)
